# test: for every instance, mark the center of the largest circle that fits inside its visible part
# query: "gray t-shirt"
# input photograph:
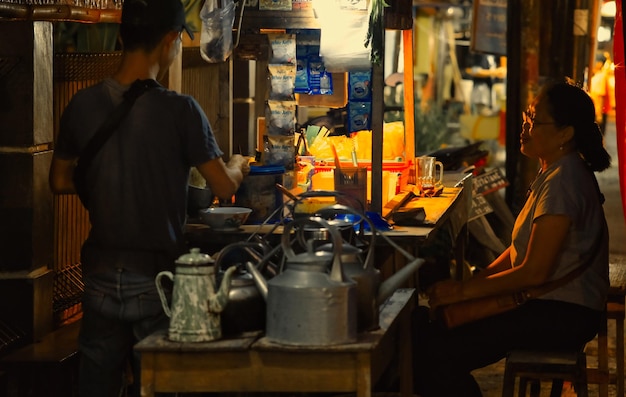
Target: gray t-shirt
(568, 188)
(138, 181)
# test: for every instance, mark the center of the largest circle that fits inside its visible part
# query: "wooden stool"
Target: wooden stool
(615, 310)
(536, 366)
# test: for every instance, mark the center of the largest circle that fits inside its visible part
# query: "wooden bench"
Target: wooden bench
(47, 368)
(615, 310)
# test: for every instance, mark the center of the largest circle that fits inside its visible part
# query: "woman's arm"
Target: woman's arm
(502, 263)
(547, 236)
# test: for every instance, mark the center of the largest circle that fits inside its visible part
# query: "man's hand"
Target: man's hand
(240, 162)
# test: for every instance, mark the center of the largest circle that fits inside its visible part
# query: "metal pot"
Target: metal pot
(305, 304)
(370, 291)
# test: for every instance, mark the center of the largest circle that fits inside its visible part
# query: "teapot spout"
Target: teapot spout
(259, 280)
(390, 285)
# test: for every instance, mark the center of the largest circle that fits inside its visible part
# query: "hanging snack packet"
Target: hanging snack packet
(280, 150)
(359, 116)
(282, 48)
(280, 117)
(307, 43)
(301, 85)
(326, 83)
(359, 86)
(282, 79)
(302, 69)
(316, 71)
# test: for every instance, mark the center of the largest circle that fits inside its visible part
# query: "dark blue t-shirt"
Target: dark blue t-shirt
(138, 180)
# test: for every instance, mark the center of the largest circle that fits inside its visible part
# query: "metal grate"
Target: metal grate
(85, 67)
(9, 336)
(68, 290)
(72, 72)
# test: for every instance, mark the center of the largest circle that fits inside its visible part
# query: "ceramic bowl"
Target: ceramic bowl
(225, 218)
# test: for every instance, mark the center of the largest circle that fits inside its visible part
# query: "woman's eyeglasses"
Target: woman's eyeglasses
(529, 119)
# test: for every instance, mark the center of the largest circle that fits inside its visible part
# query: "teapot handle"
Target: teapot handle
(157, 281)
(336, 271)
(248, 247)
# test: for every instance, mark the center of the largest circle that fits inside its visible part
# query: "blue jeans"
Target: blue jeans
(119, 309)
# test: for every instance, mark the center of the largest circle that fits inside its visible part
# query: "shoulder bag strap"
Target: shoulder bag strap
(111, 123)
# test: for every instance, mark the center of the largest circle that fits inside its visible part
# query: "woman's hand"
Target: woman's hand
(445, 292)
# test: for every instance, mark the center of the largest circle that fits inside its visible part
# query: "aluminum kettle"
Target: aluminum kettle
(196, 305)
(362, 271)
(371, 292)
(306, 304)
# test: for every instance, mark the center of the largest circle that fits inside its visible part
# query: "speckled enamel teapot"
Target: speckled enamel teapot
(196, 305)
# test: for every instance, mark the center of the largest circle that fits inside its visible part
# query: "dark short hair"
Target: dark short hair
(146, 22)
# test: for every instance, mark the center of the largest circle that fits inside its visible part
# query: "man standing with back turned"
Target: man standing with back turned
(137, 188)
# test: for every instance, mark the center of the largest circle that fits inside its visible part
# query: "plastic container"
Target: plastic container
(398, 173)
(258, 191)
(352, 182)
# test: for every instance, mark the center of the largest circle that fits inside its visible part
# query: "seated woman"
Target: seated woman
(561, 227)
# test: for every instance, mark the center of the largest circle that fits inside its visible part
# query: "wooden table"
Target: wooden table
(451, 208)
(254, 364)
(451, 204)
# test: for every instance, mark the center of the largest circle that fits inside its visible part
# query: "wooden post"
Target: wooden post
(409, 97)
(377, 137)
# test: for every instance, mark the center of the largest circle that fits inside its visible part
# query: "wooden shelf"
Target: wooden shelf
(61, 12)
(296, 19)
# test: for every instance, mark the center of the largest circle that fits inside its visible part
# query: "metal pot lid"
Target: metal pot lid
(311, 257)
(195, 258)
(338, 223)
(346, 249)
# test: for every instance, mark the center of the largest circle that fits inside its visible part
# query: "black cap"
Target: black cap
(167, 14)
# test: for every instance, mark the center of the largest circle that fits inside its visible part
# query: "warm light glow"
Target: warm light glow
(608, 9)
(604, 34)
(325, 9)
(328, 7)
